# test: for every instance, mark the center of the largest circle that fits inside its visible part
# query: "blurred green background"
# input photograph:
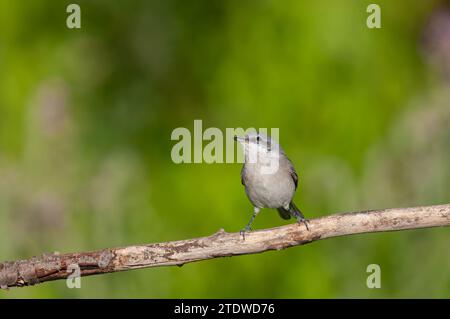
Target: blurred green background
(86, 117)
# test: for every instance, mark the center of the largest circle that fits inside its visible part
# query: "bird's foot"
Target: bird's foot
(304, 221)
(242, 232)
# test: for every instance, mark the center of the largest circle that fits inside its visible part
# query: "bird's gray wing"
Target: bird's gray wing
(294, 177)
(293, 173)
(243, 175)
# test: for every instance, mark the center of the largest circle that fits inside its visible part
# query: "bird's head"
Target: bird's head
(261, 150)
(257, 142)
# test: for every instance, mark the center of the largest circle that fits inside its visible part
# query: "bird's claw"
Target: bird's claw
(243, 231)
(304, 221)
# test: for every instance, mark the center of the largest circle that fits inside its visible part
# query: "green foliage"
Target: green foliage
(86, 117)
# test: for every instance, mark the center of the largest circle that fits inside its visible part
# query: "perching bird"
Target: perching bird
(269, 178)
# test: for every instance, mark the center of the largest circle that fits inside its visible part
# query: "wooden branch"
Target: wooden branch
(58, 266)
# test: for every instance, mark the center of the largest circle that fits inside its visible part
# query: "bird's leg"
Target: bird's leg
(300, 218)
(247, 228)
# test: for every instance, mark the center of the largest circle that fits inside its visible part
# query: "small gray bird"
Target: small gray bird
(269, 178)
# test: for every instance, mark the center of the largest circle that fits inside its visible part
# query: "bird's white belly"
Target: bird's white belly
(271, 190)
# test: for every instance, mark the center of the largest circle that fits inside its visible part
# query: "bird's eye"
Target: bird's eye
(258, 138)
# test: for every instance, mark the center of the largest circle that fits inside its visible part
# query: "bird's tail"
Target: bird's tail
(292, 211)
(285, 214)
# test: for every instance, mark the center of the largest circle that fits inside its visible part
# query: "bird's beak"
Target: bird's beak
(238, 139)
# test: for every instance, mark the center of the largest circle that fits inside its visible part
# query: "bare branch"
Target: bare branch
(55, 266)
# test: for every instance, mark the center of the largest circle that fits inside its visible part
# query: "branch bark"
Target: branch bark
(59, 266)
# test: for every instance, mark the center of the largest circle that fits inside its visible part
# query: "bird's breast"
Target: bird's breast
(268, 190)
